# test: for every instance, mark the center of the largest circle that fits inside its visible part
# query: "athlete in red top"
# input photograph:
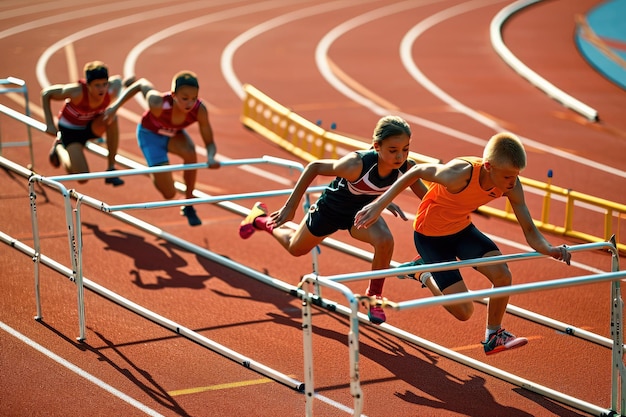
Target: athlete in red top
(444, 231)
(82, 118)
(162, 131)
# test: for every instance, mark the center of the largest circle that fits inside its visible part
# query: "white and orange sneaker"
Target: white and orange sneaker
(501, 341)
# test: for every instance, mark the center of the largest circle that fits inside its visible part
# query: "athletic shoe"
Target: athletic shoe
(501, 341)
(415, 262)
(115, 181)
(190, 213)
(376, 313)
(246, 227)
(53, 156)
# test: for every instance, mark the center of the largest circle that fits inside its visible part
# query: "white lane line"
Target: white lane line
(147, 410)
(235, 44)
(110, 25)
(379, 108)
(64, 17)
(407, 58)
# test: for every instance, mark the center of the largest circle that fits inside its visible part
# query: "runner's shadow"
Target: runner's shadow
(150, 257)
(136, 375)
(256, 290)
(435, 387)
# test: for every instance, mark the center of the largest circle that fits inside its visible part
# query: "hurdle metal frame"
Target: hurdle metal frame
(310, 298)
(20, 88)
(335, 282)
(74, 224)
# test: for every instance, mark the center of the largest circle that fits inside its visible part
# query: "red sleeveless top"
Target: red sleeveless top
(163, 124)
(81, 114)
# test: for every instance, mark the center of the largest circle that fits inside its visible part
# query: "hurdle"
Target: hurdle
(75, 273)
(73, 222)
(309, 296)
(19, 86)
(335, 282)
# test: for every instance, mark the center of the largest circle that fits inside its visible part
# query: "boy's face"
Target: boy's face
(393, 150)
(98, 87)
(504, 177)
(185, 98)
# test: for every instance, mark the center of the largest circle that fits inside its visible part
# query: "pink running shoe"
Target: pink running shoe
(246, 227)
(501, 341)
(376, 314)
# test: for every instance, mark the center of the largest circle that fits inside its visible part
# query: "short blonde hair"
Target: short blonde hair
(505, 149)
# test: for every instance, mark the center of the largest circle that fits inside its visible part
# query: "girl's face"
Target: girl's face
(393, 151)
(185, 98)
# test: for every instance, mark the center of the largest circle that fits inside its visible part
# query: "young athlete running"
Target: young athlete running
(444, 231)
(361, 176)
(162, 131)
(82, 118)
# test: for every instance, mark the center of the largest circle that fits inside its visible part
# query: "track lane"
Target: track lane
(384, 359)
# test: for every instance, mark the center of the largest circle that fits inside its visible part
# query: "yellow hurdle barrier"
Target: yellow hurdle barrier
(296, 134)
(310, 142)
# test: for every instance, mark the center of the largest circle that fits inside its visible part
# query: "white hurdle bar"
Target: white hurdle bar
(74, 223)
(160, 320)
(285, 287)
(335, 282)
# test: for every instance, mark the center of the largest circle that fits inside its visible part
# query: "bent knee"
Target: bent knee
(462, 312)
(502, 279)
(189, 155)
(383, 244)
(297, 251)
(168, 194)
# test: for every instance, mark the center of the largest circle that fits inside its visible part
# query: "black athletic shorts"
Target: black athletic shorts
(73, 135)
(469, 243)
(323, 221)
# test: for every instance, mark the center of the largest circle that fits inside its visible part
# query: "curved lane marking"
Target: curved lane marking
(380, 109)
(232, 47)
(110, 25)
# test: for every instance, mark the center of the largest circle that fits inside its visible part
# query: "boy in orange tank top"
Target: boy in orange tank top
(444, 231)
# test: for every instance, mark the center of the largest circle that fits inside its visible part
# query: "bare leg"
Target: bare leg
(500, 276)
(73, 159)
(297, 242)
(164, 182)
(183, 146)
(113, 140)
(379, 236)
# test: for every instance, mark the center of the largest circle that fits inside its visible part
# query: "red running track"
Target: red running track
(133, 367)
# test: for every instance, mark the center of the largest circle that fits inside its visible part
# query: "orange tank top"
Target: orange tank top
(442, 213)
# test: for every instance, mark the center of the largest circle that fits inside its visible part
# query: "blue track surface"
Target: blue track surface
(608, 56)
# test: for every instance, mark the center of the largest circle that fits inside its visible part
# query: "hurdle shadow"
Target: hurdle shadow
(257, 291)
(132, 372)
(152, 258)
(435, 388)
